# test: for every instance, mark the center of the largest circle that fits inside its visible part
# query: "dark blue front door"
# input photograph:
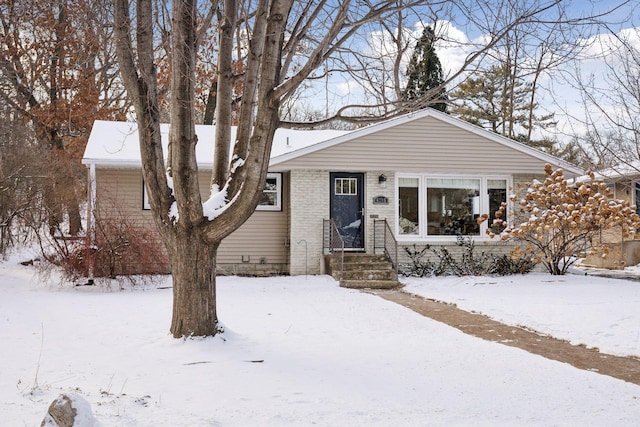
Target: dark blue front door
(347, 207)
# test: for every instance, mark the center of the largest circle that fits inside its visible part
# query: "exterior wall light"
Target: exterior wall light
(382, 180)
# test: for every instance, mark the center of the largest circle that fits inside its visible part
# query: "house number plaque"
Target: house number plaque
(380, 200)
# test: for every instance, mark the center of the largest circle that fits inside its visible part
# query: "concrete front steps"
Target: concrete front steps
(364, 271)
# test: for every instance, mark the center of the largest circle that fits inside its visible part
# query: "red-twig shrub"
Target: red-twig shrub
(117, 246)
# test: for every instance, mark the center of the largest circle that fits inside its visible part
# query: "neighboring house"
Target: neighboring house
(427, 174)
(624, 182)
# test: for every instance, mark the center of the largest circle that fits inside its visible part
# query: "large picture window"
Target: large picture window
(453, 206)
(444, 206)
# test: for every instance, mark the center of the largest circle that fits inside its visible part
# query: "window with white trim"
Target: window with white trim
(271, 197)
(497, 192)
(431, 206)
(408, 206)
(636, 194)
(346, 186)
(145, 198)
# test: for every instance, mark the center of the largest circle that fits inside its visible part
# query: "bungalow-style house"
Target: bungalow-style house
(624, 182)
(422, 178)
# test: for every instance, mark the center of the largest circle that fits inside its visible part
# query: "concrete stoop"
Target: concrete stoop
(364, 271)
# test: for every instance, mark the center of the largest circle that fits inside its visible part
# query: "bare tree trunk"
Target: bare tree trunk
(73, 211)
(193, 264)
(210, 108)
(53, 207)
(225, 92)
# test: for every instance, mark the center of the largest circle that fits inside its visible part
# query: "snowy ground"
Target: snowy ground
(303, 352)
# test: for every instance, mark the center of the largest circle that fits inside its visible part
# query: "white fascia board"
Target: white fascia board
(127, 164)
(102, 163)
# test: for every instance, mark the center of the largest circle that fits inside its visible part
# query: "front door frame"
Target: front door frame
(360, 193)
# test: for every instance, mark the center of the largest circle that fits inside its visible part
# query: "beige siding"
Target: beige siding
(422, 145)
(263, 238)
(120, 189)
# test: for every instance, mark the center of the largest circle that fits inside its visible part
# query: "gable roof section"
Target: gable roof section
(446, 141)
(425, 118)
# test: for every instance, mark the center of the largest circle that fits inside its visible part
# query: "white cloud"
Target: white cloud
(453, 47)
(347, 87)
(604, 61)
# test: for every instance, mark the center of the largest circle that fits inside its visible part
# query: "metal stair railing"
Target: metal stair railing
(384, 240)
(333, 241)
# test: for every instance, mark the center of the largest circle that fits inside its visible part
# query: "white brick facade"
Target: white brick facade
(378, 211)
(309, 206)
(310, 193)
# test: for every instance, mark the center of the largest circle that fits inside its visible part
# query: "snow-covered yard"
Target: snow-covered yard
(302, 351)
(598, 312)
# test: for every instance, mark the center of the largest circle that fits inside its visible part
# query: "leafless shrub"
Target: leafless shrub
(561, 219)
(125, 247)
(117, 247)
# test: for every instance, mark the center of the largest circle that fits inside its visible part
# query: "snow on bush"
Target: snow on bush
(562, 219)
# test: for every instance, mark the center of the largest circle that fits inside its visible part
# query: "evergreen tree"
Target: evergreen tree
(499, 101)
(425, 74)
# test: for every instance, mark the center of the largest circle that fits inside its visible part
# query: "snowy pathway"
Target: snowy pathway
(481, 326)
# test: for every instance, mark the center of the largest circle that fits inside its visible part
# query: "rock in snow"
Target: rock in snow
(69, 410)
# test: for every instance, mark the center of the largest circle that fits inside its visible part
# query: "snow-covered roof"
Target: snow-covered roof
(116, 144)
(616, 173)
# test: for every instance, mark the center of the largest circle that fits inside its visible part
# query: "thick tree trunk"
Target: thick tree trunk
(75, 219)
(193, 265)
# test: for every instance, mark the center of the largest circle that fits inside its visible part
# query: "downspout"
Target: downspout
(91, 219)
